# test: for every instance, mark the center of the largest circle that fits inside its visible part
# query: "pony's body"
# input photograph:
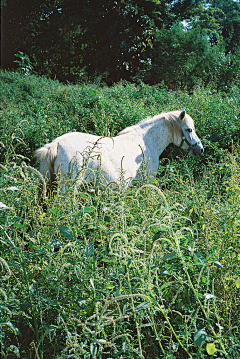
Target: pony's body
(85, 155)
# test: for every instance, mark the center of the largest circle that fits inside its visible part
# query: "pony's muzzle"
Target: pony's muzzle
(197, 151)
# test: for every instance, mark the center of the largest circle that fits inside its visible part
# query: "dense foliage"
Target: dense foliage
(151, 271)
(178, 42)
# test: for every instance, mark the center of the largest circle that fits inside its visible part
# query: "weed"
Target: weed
(151, 271)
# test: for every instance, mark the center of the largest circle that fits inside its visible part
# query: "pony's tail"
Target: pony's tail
(46, 155)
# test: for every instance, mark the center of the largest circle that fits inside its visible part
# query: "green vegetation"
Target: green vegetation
(152, 271)
(180, 42)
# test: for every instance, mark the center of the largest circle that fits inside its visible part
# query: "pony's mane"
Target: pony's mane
(169, 117)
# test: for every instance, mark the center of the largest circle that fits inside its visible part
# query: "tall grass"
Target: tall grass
(36, 110)
(151, 271)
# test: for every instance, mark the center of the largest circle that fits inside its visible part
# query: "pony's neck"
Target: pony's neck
(157, 133)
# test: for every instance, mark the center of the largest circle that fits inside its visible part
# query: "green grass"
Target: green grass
(150, 271)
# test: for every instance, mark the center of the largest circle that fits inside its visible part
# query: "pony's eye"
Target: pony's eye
(189, 130)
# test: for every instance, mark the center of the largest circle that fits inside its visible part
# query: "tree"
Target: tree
(227, 15)
(122, 38)
(181, 57)
(63, 36)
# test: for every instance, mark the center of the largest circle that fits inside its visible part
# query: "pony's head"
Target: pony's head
(189, 139)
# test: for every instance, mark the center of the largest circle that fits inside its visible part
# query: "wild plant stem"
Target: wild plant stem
(28, 291)
(172, 330)
(156, 333)
(135, 317)
(197, 298)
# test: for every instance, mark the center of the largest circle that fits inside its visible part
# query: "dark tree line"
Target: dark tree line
(178, 42)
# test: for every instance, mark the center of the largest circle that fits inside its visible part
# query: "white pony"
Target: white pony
(83, 156)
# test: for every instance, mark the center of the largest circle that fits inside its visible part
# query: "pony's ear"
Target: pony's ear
(182, 114)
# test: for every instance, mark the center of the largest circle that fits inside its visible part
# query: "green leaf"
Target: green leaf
(110, 260)
(56, 211)
(25, 306)
(83, 195)
(164, 272)
(93, 349)
(211, 349)
(92, 283)
(218, 264)
(65, 231)
(89, 250)
(20, 226)
(128, 262)
(158, 234)
(56, 244)
(87, 210)
(144, 305)
(238, 283)
(199, 260)
(199, 337)
(16, 219)
(169, 256)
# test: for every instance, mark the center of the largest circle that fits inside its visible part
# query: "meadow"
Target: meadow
(151, 271)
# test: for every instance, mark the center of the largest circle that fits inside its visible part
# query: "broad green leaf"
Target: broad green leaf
(89, 250)
(199, 337)
(218, 264)
(92, 92)
(110, 260)
(169, 256)
(56, 211)
(65, 232)
(92, 283)
(144, 305)
(110, 287)
(20, 226)
(25, 306)
(199, 260)
(93, 349)
(157, 235)
(16, 219)
(238, 283)
(153, 181)
(83, 195)
(164, 272)
(165, 285)
(211, 349)
(87, 210)
(128, 262)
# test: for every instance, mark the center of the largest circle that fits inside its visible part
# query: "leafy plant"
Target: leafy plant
(149, 271)
(24, 63)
